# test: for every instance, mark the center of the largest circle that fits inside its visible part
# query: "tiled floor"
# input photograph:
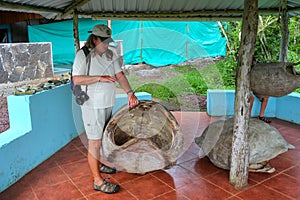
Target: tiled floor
(66, 176)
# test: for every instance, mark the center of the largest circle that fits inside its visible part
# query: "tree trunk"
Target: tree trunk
(296, 32)
(263, 40)
(240, 143)
(75, 31)
(284, 32)
(227, 40)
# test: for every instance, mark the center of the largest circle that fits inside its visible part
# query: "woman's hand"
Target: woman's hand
(132, 100)
(110, 79)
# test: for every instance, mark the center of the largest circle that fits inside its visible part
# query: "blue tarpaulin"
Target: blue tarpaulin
(157, 43)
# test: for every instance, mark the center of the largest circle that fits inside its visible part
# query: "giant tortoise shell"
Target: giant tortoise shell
(142, 139)
(274, 79)
(265, 142)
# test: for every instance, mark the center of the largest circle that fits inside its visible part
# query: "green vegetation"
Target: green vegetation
(189, 80)
(158, 91)
(221, 75)
(268, 39)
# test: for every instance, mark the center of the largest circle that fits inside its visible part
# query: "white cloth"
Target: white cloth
(101, 94)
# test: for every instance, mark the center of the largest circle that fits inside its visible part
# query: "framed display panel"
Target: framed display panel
(25, 61)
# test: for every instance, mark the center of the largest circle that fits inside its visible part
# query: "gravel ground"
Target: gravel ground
(4, 120)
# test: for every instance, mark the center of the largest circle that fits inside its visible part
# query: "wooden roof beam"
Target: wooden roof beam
(205, 14)
(166, 18)
(74, 6)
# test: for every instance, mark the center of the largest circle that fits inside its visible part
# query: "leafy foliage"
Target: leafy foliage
(268, 39)
(227, 68)
(267, 47)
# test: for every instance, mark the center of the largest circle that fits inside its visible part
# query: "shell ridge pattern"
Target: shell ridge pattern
(142, 139)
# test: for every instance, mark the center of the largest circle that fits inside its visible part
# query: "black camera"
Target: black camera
(80, 96)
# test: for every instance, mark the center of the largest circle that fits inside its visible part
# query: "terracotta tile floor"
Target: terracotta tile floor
(66, 176)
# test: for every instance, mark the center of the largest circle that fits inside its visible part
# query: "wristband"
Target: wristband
(130, 91)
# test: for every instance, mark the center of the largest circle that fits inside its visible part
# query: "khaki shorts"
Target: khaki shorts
(94, 121)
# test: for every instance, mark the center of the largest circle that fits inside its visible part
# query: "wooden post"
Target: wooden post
(141, 41)
(285, 34)
(75, 31)
(240, 144)
(187, 29)
(109, 23)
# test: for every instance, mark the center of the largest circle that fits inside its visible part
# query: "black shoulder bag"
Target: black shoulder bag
(81, 96)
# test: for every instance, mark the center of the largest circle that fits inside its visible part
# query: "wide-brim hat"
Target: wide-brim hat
(103, 31)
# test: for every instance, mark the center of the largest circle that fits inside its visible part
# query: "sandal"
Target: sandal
(265, 119)
(107, 170)
(106, 187)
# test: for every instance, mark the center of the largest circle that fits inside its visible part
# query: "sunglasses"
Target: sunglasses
(105, 39)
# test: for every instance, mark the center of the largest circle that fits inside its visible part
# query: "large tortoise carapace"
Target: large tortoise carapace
(274, 79)
(265, 142)
(142, 139)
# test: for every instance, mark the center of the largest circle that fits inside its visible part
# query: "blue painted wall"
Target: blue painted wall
(288, 108)
(41, 124)
(221, 103)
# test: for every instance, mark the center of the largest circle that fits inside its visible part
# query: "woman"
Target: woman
(97, 78)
